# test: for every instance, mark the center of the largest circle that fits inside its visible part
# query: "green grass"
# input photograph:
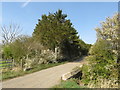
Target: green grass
(12, 74)
(71, 83)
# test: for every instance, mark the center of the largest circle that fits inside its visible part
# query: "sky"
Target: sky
(85, 16)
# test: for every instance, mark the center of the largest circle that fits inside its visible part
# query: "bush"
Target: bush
(102, 66)
(86, 74)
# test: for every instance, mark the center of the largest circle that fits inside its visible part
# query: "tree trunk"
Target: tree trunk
(13, 63)
(21, 64)
(56, 53)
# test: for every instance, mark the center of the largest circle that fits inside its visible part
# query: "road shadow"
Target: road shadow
(79, 59)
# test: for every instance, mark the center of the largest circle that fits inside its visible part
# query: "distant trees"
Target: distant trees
(83, 47)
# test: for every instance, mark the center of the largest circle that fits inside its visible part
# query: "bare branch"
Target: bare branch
(10, 33)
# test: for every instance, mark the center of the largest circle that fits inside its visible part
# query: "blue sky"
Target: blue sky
(85, 16)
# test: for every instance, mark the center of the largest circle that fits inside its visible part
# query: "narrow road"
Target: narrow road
(42, 79)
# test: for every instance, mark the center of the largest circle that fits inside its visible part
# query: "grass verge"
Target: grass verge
(71, 83)
(12, 74)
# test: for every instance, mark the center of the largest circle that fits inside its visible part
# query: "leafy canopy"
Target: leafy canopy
(54, 29)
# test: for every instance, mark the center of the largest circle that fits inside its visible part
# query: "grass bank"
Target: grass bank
(71, 83)
(12, 74)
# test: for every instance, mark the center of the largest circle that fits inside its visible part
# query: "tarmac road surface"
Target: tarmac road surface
(46, 78)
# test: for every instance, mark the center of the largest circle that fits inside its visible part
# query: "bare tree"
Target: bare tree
(10, 32)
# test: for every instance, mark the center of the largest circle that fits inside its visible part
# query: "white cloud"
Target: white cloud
(26, 3)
